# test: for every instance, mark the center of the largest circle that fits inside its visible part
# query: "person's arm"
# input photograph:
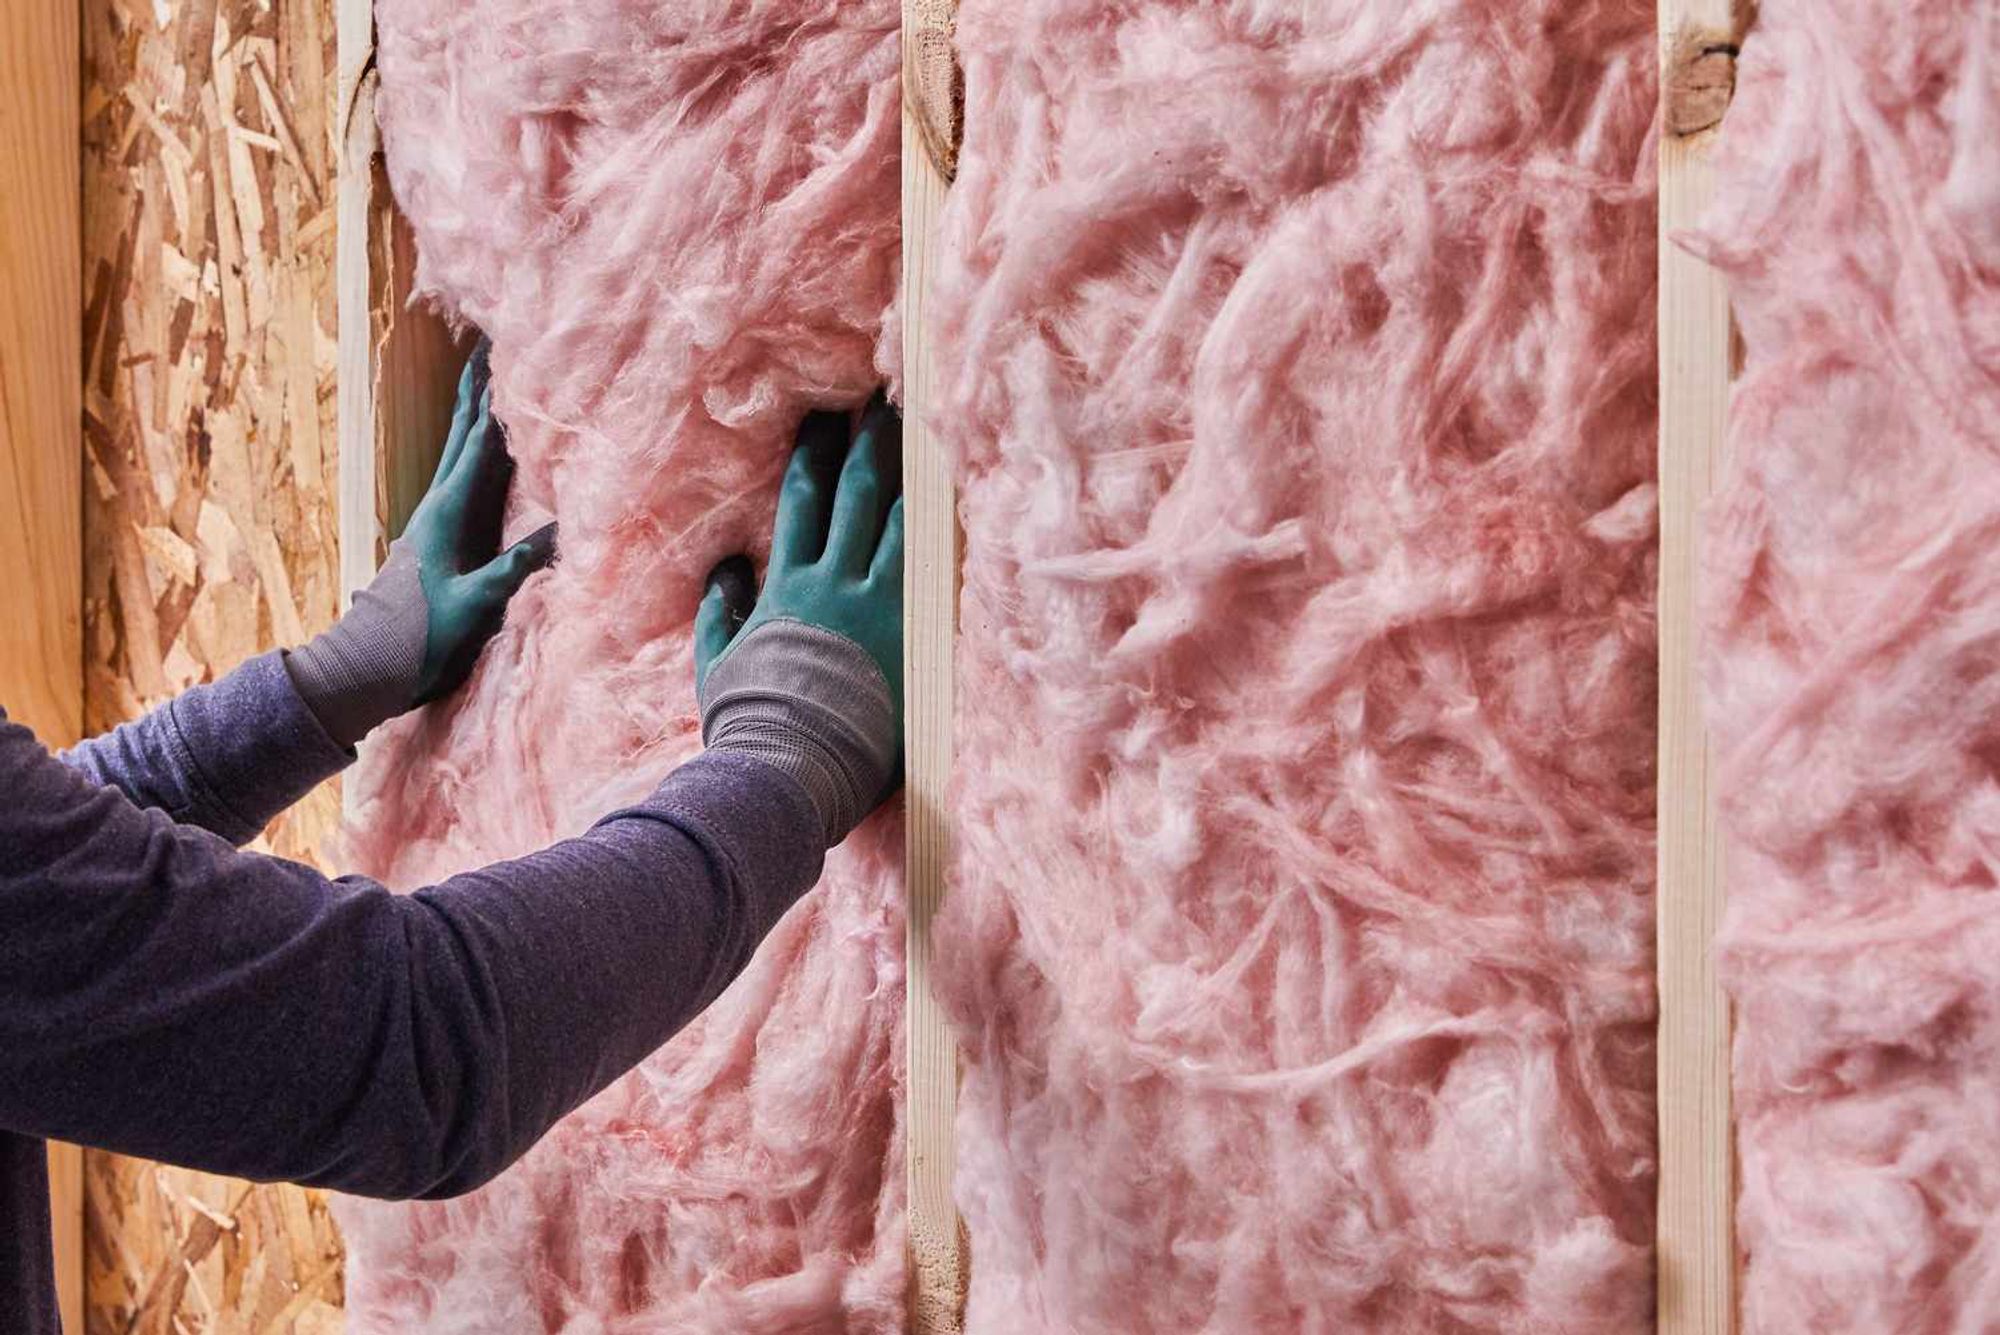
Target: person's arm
(166, 995)
(226, 757)
(230, 756)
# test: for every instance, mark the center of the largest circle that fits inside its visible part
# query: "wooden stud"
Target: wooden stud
(41, 439)
(398, 363)
(938, 1252)
(66, 1215)
(360, 145)
(41, 405)
(1696, 1240)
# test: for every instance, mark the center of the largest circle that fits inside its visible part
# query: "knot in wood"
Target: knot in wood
(933, 84)
(1701, 79)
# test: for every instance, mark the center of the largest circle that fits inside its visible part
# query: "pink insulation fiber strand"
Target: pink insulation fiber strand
(1852, 619)
(679, 225)
(1299, 370)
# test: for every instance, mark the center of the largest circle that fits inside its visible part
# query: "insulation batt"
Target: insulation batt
(1299, 366)
(678, 223)
(1852, 614)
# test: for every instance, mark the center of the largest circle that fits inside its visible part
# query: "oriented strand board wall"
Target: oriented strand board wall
(209, 514)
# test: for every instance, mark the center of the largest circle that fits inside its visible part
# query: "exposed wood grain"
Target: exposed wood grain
(41, 442)
(939, 1256)
(933, 84)
(1697, 1253)
(41, 651)
(360, 148)
(66, 1216)
(398, 363)
(208, 416)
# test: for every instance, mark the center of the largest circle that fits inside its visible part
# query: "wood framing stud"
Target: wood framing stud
(1696, 1239)
(938, 1253)
(398, 363)
(41, 392)
(41, 438)
(360, 532)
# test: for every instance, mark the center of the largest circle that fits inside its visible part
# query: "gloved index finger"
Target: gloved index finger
(885, 572)
(726, 604)
(805, 503)
(884, 420)
(499, 579)
(473, 384)
(485, 474)
(869, 484)
(460, 507)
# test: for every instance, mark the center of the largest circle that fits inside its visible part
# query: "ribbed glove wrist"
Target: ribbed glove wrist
(367, 668)
(813, 704)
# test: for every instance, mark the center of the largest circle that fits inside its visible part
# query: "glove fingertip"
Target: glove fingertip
(541, 546)
(502, 577)
(728, 594)
(882, 409)
(822, 444)
(735, 579)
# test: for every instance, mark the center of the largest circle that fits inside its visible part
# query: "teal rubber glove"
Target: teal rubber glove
(808, 675)
(414, 634)
(454, 537)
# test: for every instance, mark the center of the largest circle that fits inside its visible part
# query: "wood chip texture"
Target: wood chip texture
(209, 521)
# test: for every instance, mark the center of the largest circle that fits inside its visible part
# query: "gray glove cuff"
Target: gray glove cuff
(365, 670)
(813, 704)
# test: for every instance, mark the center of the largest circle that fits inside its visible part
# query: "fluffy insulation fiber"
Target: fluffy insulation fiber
(1299, 368)
(1853, 664)
(678, 222)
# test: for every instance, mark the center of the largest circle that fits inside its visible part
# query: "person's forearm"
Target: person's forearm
(622, 937)
(226, 757)
(165, 995)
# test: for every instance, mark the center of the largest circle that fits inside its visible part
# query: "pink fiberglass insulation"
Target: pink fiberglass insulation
(1299, 367)
(1852, 608)
(678, 222)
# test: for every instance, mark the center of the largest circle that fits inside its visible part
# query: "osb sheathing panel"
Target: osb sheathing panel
(209, 521)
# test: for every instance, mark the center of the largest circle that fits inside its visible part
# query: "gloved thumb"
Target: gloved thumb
(725, 605)
(500, 578)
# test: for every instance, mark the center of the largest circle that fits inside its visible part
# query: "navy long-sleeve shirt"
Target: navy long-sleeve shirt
(165, 994)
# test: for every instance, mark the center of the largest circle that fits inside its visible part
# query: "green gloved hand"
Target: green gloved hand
(808, 675)
(414, 634)
(454, 536)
